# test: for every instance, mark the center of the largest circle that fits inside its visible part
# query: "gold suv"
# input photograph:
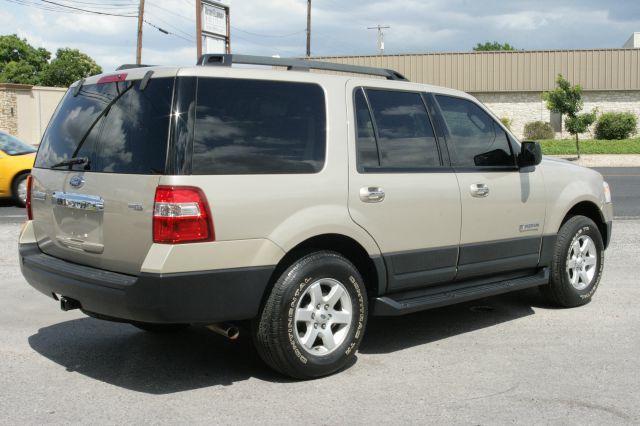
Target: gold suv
(302, 202)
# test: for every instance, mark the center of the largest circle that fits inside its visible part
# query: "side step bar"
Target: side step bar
(396, 304)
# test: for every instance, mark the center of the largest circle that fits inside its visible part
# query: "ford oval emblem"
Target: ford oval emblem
(76, 181)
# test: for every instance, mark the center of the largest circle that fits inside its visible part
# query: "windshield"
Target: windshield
(116, 127)
(13, 146)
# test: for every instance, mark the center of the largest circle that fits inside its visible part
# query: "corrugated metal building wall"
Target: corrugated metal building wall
(510, 83)
(513, 71)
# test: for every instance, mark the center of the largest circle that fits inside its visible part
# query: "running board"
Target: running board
(396, 304)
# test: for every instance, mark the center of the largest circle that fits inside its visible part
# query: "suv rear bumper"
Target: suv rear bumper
(203, 297)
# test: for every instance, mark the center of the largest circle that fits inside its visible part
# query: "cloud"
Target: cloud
(338, 27)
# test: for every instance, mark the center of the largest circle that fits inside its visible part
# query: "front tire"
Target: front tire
(577, 263)
(314, 319)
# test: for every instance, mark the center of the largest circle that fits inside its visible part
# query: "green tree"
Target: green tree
(68, 66)
(20, 62)
(566, 99)
(492, 45)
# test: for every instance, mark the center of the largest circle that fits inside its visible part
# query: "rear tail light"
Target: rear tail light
(28, 203)
(181, 215)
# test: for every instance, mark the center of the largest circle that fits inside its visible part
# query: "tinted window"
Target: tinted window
(258, 127)
(117, 126)
(405, 135)
(366, 138)
(473, 137)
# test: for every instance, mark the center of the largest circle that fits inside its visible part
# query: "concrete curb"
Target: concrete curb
(603, 160)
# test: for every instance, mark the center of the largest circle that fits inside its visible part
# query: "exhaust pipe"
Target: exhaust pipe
(68, 304)
(229, 331)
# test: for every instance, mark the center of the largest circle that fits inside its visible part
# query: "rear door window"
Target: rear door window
(258, 127)
(117, 126)
(395, 132)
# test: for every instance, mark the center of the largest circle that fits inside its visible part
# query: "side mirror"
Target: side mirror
(530, 154)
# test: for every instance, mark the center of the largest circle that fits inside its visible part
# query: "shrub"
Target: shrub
(616, 125)
(537, 130)
(506, 122)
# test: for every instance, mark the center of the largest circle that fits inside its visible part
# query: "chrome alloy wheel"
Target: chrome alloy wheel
(22, 191)
(582, 261)
(323, 316)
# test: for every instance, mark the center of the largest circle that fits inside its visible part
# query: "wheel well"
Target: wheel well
(590, 210)
(16, 176)
(346, 246)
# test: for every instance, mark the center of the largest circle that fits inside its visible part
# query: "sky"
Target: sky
(339, 27)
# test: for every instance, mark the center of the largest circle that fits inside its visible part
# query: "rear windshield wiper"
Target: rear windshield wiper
(73, 161)
(104, 112)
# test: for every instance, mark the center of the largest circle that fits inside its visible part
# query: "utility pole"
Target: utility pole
(380, 36)
(308, 28)
(140, 22)
(199, 28)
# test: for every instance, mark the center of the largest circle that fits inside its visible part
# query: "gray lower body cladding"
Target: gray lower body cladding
(203, 297)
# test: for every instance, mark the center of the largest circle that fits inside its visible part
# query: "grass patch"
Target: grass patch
(590, 146)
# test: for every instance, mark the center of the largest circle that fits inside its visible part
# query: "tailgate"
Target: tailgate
(105, 223)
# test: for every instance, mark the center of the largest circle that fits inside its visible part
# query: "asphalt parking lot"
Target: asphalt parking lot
(506, 359)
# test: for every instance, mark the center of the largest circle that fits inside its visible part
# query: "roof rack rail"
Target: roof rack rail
(294, 64)
(130, 66)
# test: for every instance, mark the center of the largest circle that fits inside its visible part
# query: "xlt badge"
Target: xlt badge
(529, 227)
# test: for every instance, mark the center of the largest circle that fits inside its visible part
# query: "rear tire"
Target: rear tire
(577, 263)
(314, 319)
(19, 190)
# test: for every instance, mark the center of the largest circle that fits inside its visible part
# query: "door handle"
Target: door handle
(479, 190)
(371, 194)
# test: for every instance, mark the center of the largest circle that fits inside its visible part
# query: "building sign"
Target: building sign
(214, 19)
(215, 44)
(215, 27)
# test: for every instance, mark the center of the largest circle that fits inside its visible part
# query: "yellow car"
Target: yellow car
(16, 161)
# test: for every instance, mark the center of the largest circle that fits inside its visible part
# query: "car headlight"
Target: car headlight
(607, 192)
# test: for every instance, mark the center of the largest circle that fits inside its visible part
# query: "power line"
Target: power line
(180, 30)
(89, 3)
(88, 11)
(172, 12)
(268, 35)
(162, 30)
(61, 8)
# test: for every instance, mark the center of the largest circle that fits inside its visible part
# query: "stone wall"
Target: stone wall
(519, 107)
(25, 110)
(8, 109)
(627, 101)
(523, 107)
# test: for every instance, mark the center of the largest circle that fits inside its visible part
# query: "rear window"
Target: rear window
(258, 127)
(116, 126)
